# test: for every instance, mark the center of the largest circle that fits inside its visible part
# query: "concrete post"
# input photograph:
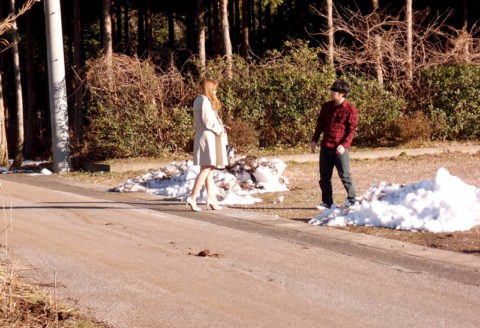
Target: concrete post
(57, 87)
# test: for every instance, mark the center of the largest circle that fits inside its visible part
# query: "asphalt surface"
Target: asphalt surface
(131, 260)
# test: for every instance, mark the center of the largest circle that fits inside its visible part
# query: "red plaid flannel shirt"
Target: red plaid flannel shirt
(337, 123)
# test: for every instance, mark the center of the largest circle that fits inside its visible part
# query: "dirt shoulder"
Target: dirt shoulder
(300, 202)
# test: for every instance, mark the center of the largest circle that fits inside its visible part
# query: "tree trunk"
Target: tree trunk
(231, 20)
(171, 28)
(238, 24)
(140, 30)
(77, 64)
(19, 94)
(216, 27)
(126, 28)
(260, 31)
(245, 28)
(253, 31)
(330, 32)
(118, 25)
(378, 49)
(191, 34)
(57, 87)
(201, 34)
(268, 16)
(107, 37)
(227, 45)
(465, 28)
(3, 131)
(409, 41)
(30, 114)
(148, 26)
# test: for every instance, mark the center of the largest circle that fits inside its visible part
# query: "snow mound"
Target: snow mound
(235, 185)
(445, 204)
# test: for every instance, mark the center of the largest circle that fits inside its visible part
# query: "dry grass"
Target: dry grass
(25, 306)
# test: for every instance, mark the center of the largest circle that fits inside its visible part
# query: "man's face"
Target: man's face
(337, 96)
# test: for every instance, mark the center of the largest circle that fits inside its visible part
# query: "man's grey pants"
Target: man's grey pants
(329, 159)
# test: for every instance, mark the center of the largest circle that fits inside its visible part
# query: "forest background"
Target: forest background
(132, 68)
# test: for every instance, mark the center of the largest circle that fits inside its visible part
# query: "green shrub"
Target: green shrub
(378, 109)
(451, 99)
(280, 96)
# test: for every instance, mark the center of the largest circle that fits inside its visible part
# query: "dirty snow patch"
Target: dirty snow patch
(235, 185)
(445, 204)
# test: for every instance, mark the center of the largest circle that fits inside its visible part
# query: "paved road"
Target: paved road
(132, 266)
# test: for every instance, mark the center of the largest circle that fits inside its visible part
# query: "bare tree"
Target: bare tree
(3, 132)
(30, 75)
(107, 33)
(330, 31)
(8, 23)
(18, 93)
(378, 44)
(201, 33)
(431, 45)
(409, 58)
(227, 44)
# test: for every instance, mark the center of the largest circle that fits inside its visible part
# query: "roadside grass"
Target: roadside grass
(109, 179)
(25, 306)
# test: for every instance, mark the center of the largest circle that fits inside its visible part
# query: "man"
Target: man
(337, 121)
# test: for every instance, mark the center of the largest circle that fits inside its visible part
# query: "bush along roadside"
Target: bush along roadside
(273, 102)
(451, 99)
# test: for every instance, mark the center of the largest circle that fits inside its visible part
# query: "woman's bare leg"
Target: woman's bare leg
(199, 181)
(211, 191)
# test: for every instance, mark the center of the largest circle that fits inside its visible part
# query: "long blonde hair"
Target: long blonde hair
(207, 88)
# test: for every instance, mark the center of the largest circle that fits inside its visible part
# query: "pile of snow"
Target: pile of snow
(445, 204)
(235, 185)
(28, 166)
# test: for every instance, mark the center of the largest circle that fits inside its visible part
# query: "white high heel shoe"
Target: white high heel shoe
(213, 206)
(192, 204)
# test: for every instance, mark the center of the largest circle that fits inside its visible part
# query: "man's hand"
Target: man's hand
(340, 150)
(313, 145)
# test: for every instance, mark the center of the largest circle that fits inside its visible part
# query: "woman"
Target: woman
(209, 149)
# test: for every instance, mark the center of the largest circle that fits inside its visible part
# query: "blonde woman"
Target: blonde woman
(209, 148)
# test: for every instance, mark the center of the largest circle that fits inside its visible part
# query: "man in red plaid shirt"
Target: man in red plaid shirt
(337, 121)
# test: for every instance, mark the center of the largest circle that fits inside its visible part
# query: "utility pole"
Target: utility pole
(57, 87)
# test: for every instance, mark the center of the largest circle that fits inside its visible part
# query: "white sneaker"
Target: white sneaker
(323, 207)
(350, 202)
